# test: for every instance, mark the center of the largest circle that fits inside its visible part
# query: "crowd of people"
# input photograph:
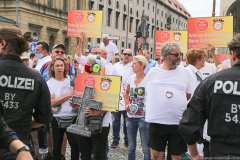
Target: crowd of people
(179, 103)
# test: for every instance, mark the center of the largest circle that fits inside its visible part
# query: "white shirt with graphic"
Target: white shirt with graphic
(58, 89)
(137, 99)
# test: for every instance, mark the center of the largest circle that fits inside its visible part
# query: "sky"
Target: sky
(201, 8)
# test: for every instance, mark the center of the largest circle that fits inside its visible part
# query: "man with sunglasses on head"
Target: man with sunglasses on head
(168, 87)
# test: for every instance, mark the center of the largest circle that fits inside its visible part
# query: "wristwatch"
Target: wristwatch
(23, 148)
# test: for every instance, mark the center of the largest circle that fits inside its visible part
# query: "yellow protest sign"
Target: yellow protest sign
(107, 89)
(84, 21)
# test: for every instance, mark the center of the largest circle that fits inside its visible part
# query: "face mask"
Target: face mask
(39, 56)
(88, 69)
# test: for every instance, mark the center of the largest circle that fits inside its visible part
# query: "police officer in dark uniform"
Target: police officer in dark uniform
(216, 99)
(23, 92)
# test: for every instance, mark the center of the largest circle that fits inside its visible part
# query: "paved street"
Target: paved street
(119, 153)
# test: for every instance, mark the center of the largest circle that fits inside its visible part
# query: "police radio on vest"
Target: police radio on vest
(227, 87)
(16, 82)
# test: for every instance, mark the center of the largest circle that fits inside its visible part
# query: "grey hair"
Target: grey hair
(167, 48)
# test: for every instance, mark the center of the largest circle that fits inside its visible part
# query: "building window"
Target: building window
(109, 17)
(78, 4)
(49, 3)
(124, 21)
(153, 8)
(148, 5)
(123, 44)
(129, 45)
(158, 11)
(98, 40)
(143, 3)
(117, 5)
(137, 23)
(117, 19)
(100, 7)
(51, 41)
(173, 19)
(65, 5)
(131, 23)
(91, 5)
(162, 13)
(152, 31)
(137, 1)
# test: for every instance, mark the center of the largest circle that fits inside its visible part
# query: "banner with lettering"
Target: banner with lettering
(84, 21)
(107, 89)
(217, 31)
(179, 37)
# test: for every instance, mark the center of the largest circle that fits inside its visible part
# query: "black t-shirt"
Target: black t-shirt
(23, 94)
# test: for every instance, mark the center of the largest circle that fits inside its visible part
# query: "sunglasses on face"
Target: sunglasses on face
(176, 55)
(96, 53)
(61, 52)
(127, 54)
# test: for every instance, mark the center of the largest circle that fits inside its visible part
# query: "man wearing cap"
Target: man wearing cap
(112, 49)
(25, 58)
(217, 100)
(58, 50)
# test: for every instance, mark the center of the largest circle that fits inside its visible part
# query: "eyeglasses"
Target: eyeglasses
(176, 55)
(62, 52)
(96, 53)
(129, 54)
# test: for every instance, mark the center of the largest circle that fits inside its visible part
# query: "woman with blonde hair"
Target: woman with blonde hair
(135, 105)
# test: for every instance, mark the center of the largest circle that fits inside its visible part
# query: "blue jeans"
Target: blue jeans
(117, 126)
(132, 128)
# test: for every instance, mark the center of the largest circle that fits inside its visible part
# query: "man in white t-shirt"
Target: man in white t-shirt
(112, 49)
(168, 88)
(123, 69)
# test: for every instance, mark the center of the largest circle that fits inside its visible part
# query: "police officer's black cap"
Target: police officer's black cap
(59, 46)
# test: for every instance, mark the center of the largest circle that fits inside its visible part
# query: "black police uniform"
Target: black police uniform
(23, 94)
(217, 99)
(7, 135)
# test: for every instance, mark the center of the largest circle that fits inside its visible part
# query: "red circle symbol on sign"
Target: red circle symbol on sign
(202, 25)
(78, 16)
(165, 36)
(89, 82)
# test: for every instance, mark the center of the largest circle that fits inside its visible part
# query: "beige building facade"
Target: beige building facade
(46, 19)
(231, 8)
